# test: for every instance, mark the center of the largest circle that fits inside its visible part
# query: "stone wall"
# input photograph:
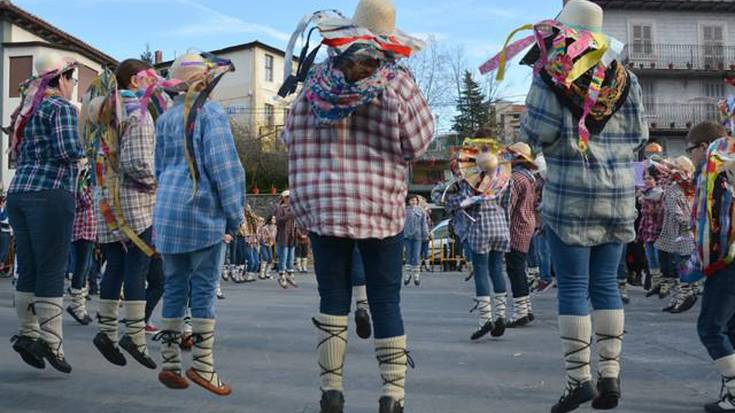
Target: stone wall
(263, 205)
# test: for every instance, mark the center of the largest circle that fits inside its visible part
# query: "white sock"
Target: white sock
(359, 294)
(393, 363)
(26, 317)
(485, 308)
(609, 327)
(50, 316)
(576, 336)
(332, 346)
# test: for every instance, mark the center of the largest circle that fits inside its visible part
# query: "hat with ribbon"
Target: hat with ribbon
(485, 166)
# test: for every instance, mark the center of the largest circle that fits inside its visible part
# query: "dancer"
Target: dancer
(285, 241)
(126, 185)
(414, 232)
(44, 142)
(649, 226)
(267, 236)
(302, 249)
(484, 195)
(589, 198)
(83, 237)
(522, 214)
(360, 98)
(200, 188)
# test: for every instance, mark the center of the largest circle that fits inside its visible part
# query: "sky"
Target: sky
(122, 28)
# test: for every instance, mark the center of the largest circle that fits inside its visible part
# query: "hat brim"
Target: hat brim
(531, 163)
(489, 184)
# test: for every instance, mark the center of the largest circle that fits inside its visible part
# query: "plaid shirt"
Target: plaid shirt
(348, 178)
(522, 209)
(85, 224)
(138, 188)
(652, 215)
(184, 224)
(676, 234)
(416, 226)
(267, 234)
(48, 154)
(490, 231)
(587, 202)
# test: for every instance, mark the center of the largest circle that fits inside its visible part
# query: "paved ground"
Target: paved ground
(266, 351)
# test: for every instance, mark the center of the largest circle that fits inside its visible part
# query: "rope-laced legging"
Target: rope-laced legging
(335, 332)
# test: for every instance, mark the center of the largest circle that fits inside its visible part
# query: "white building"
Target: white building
(249, 94)
(24, 37)
(680, 50)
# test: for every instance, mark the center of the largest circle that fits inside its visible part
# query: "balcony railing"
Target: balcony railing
(680, 115)
(679, 56)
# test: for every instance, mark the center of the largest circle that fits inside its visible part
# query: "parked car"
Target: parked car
(443, 249)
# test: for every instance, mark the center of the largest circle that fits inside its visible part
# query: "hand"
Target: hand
(473, 200)
(228, 238)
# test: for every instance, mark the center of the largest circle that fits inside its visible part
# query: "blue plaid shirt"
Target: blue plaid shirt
(183, 224)
(50, 149)
(593, 202)
(489, 231)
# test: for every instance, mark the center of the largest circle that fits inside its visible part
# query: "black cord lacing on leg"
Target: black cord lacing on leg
(59, 314)
(392, 358)
(335, 332)
(198, 339)
(572, 383)
(607, 337)
(134, 327)
(170, 338)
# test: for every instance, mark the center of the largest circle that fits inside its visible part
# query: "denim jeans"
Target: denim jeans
(652, 256)
(716, 324)
(382, 261)
(154, 290)
(232, 251)
(358, 268)
(670, 264)
(4, 246)
(127, 267)
(488, 267)
(194, 274)
(515, 264)
(242, 251)
(413, 251)
(42, 222)
(285, 258)
(467, 251)
(424, 250)
(623, 264)
(585, 273)
(251, 254)
(266, 254)
(83, 251)
(544, 257)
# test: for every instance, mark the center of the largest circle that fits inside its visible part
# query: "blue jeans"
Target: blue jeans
(42, 222)
(424, 250)
(285, 258)
(670, 264)
(623, 264)
(251, 254)
(127, 267)
(413, 251)
(194, 274)
(467, 251)
(382, 261)
(358, 268)
(585, 273)
(232, 251)
(716, 324)
(266, 254)
(652, 256)
(544, 257)
(83, 251)
(488, 267)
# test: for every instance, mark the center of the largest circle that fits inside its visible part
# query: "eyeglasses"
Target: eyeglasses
(691, 149)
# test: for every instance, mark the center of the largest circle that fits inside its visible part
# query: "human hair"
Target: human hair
(54, 83)
(706, 132)
(127, 69)
(653, 172)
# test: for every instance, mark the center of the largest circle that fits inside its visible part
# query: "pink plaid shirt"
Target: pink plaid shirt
(522, 209)
(85, 223)
(348, 178)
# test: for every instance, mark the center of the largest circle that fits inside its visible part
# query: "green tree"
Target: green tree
(473, 110)
(147, 55)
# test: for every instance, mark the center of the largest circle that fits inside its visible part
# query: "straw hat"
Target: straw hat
(285, 194)
(582, 14)
(484, 166)
(188, 67)
(50, 61)
(523, 151)
(378, 16)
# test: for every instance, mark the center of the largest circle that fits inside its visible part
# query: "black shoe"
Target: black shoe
(724, 405)
(127, 343)
(572, 398)
(531, 317)
(417, 281)
(686, 305)
(668, 308)
(656, 289)
(389, 405)
(362, 321)
(81, 320)
(108, 349)
(469, 276)
(22, 345)
(407, 281)
(608, 394)
(333, 401)
(499, 329)
(625, 299)
(42, 350)
(482, 331)
(519, 322)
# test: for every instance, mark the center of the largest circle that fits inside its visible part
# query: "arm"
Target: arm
(158, 162)
(137, 149)
(541, 124)
(65, 131)
(415, 118)
(671, 205)
(637, 112)
(223, 165)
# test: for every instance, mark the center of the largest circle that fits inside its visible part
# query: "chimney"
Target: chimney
(159, 57)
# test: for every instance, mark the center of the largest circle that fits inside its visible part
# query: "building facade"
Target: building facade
(681, 52)
(24, 38)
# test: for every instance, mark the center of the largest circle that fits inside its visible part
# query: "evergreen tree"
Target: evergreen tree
(473, 111)
(147, 55)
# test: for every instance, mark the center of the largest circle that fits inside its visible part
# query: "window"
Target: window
(649, 97)
(21, 68)
(713, 43)
(642, 43)
(268, 68)
(715, 91)
(86, 76)
(269, 121)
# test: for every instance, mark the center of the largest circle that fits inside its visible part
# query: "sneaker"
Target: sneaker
(608, 394)
(333, 401)
(483, 330)
(574, 396)
(543, 286)
(362, 321)
(151, 329)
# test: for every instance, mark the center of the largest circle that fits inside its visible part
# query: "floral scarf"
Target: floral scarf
(333, 98)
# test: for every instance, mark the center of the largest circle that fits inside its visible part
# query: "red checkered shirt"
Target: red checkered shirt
(522, 209)
(85, 223)
(348, 178)
(652, 215)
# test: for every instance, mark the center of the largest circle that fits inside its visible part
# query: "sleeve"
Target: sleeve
(637, 112)
(65, 129)
(137, 158)
(541, 124)
(415, 118)
(672, 208)
(158, 161)
(223, 166)
(515, 194)
(454, 200)
(289, 123)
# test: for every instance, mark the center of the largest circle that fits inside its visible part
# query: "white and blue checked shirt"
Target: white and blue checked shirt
(592, 203)
(184, 224)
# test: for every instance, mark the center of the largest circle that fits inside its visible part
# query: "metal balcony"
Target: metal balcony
(680, 115)
(679, 57)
